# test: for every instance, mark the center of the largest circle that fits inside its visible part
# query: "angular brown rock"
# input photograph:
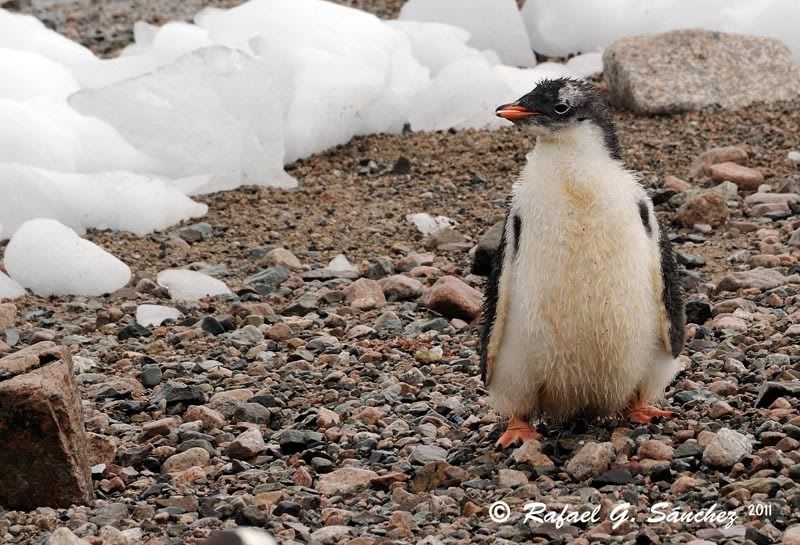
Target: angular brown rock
(704, 207)
(715, 156)
(43, 462)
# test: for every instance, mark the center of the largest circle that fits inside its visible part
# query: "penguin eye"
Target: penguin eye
(561, 108)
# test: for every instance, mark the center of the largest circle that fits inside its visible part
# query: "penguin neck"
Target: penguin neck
(584, 142)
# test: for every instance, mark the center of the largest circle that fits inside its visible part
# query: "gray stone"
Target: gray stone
(764, 279)
(686, 70)
(727, 448)
(424, 454)
(591, 460)
(248, 444)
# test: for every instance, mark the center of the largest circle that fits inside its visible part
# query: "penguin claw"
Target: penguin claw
(643, 414)
(518, 430)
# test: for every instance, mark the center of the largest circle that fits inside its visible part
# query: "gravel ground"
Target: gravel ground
(331, 384)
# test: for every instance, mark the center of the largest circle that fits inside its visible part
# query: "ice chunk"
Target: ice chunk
(51, 259)
(427, 224)
(213, 111)
(190, 285)
(436, 45)
(109, 200)
(464, 95)
(43, 133)
(340, 71)
(521, 81)
(492, 24)
(340, 263)
(586, 64)
(26, 74)
(9, 289)
(29, 34)
(155, 315)
(164, 46)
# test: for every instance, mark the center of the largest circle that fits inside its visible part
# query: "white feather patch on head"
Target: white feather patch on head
(570, 93)
(253, 536)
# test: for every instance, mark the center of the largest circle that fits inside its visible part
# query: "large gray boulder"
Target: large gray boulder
(687, 70)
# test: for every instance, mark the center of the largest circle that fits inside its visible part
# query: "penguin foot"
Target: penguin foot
(643, 414)
(518, 430)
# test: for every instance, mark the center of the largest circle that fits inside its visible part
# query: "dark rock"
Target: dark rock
(615, 476)
(770, 391)
(697, 312)
(133, 331)
(401, 167)
(178, 392)
(196, 232)
(150, 376)
(268, 280)
(212, 326)
(293, 441)
(486, 248)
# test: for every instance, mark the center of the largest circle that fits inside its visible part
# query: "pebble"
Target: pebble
(728, 154)
(704, 207)
(8, 315)
(653, 449)
(364, 294)
(726, 448)
(179, 462)
(590, 461)
(401, 288)
(281, 257)
(745, 178)
(347, 480)
(247, 445)
(425, 454)
(453, 298)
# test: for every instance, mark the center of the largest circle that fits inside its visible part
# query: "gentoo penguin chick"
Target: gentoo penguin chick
(240, 536)
(584, 311)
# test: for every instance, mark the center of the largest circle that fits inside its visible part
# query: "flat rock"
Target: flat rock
(453, 298)
(248, 444)
(399, 287)
(345, 481)
(686, 70)
(44, 460)
(745, 178)
(763, 279)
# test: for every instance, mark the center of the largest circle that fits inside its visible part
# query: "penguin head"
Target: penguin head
(558, 104)
(240, 536)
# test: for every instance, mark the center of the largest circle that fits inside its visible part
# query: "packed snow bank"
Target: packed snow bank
(29, 34)
(190, 285)
(492, 24)
(573, 26)
(51, 259)
(112, 200)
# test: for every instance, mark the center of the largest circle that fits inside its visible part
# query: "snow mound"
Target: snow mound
(9, 289)
(155, 315)
(191, 285)
(549, 35)
(51, 259)
(493, 24)
(26, 74)
(111, 200)
(211, 112)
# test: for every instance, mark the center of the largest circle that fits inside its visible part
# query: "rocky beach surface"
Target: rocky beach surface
(333, 395)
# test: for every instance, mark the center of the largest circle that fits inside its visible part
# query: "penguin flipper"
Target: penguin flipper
(495, 307)
(673, 308)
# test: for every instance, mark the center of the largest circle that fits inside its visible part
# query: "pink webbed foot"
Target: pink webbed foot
(518, 430)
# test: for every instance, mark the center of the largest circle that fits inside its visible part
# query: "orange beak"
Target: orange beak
(512, 112)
